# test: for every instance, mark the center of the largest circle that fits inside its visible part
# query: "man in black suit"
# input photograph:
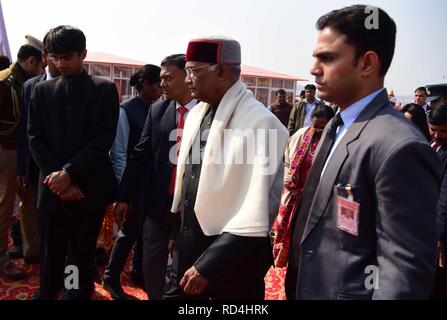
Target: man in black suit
(27, 170)
(155, 154)
(437, 121)
(71, 127)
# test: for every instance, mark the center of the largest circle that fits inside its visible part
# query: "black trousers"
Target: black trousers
(68, 239)
(245, 282)
(129, 235)
(439, 291)
(156, 235)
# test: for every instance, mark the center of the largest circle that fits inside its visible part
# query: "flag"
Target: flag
(4, 43)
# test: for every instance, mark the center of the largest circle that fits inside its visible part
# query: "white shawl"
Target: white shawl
(234, 196)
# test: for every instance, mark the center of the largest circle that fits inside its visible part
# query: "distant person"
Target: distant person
(297, 162)
(437, 94)
(4, 62)
(133, 114)
(300, 116)
(416, 114)
(420, 98)
(161, 138)
(281, 108)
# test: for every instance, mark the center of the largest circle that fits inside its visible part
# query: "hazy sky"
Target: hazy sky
(277, 35)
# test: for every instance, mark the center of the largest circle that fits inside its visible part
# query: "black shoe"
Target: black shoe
(36, 295)
(138, 280)
(15, 253)
(101, 257)
(32, 260)
(116, 291)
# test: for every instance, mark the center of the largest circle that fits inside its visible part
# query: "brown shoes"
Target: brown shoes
(12, 272)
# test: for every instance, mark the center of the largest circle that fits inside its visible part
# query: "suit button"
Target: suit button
(185, 229)
(309, 253)
(186, 203)
(193, 176)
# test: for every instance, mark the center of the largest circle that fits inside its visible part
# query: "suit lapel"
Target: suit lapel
(168, 122)
(341, 154)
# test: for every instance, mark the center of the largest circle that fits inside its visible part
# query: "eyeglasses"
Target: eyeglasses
(191, 72)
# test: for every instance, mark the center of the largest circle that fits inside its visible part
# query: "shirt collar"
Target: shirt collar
(189, 106)
(351, 113)
(48, 75)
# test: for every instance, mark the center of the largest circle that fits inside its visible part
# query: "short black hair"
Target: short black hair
(438, 115)
(310, 87)
(323, 111)
(66, 39)
(46, 41)
(418, 117)
(280, 91)
(27, 51)
(351, 22)
(4, 62)
(148, 72)
(303, 93)
(178, 60)
(423, 89)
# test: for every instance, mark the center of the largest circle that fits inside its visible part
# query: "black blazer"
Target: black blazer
(72, 125)
(23, 154)
(151, 156)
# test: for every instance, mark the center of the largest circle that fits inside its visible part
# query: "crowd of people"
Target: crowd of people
(340, 188)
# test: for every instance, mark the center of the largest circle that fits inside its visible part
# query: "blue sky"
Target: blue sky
(276, 35)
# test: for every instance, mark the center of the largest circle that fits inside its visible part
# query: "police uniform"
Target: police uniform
(11, 82)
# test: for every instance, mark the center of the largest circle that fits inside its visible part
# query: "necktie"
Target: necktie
(312, 182)
(180, 124)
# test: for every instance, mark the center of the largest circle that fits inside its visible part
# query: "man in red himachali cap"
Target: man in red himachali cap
(222, 249)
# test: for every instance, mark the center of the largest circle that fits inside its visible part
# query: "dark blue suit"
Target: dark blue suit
(136, 111)
(151, 155)
(24, 159)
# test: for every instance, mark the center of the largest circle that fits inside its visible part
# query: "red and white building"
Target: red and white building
(261, 82)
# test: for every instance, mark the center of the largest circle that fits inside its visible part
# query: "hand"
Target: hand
(58, 182)
(120, 210)
(73, 193)
(441, 255)
(22, 182)
(193, 283)
(171, 246)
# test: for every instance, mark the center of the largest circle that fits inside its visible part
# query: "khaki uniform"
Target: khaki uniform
(11, 82)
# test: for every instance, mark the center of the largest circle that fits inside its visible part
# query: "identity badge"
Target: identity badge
(347, 210)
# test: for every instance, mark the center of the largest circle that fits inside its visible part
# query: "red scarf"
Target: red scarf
(299, 169)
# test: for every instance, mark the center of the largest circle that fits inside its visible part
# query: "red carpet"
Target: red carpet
(23, 290)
